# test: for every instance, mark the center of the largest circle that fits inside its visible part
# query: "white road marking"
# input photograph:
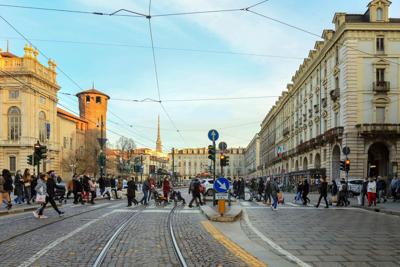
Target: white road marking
(282, 251)
(58, 241)
(246, 204)
(292, 204)
(116, 205)
(187, 211)
(156, 211)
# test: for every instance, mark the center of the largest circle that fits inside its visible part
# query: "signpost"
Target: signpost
(221, 187)
(213, 135)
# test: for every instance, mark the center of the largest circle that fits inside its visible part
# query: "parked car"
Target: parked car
(208, 183)
(354, 186)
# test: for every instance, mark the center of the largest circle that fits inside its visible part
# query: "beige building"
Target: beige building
(346, 93)
(190, 162)
(252, 158)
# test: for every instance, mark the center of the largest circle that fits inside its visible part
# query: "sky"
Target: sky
(198, 56)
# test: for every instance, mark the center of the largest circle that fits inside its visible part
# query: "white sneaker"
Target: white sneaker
(35, 214)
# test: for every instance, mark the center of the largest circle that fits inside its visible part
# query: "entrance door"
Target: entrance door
(378, 160)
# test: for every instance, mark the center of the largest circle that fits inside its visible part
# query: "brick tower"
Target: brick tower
(93, 108)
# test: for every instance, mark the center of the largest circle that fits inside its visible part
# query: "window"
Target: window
(337, 55)
(379, 14)
(336, 118)
(311, 132)
(324, 154)
(380, 44)
(380, 115)
(42, 100)
(325, 125)
(65, 142)
(13, 164)
(13, 94)
(42, 127)
(98, 99)
(380, 75)
(337, 83)
(87, 99)
(14, 124)
(70, 143)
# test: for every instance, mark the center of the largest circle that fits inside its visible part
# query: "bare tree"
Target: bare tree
(125, 148)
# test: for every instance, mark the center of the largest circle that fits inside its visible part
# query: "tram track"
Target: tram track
(101, 206)
(170, 229)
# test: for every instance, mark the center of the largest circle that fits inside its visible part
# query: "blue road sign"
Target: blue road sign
(213, 135)
(221, 185)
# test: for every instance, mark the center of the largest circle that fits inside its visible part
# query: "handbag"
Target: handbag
(40, 199)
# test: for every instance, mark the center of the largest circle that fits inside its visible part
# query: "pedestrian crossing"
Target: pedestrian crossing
(153, 208)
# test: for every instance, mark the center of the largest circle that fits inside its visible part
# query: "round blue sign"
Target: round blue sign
(221, 185)
(213, 135)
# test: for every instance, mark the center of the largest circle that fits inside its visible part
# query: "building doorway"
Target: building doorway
(378, 160)
(336, 163)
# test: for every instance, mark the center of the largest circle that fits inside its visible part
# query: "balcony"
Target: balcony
(382, 130)
(381, 87)
(333, 134)
(286, 131)
(324, 102)
(335, 94)
(316, 108)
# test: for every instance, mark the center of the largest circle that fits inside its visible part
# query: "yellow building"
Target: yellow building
(346, 93)
(29, 113)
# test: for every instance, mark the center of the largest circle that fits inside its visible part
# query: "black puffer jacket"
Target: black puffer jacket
(8, 181)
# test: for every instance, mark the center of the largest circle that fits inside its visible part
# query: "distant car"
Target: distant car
(208, 183)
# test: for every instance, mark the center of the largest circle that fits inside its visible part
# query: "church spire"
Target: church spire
(158, 142)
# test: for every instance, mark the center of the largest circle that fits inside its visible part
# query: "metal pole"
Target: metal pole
(214, 173)
(173, 165)
(141, 168)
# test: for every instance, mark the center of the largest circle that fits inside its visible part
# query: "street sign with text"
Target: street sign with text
(219, 196)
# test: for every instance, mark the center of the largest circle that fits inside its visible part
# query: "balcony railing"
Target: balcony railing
(381, 87)
(379, 129)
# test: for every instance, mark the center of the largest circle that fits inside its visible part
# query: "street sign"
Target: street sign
(221, 185)
(346, 150)
(219, 196)
(213, 135)
(222, 146)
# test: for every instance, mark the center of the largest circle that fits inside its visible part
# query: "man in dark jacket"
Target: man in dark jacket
(195, 190)
(77, 189)
(364, 190)
(145, 190)
(8, 186)
(323, 192)
(102, 185)
(131, 192)
(381, 189)
(113, 186)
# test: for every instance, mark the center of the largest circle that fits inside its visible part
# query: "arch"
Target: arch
(42, 127)
(305, 164)
(317, 161)
(378, 160)
(379, 14)
(14, 123)
(335, 172)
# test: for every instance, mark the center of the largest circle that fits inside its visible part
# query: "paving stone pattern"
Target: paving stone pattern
(199, 248)
(331, 237)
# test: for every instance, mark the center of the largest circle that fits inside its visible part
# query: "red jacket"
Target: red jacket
(166, 186)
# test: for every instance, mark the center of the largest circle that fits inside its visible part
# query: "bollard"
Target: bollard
(221, 206)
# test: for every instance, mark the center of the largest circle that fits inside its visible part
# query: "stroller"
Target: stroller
(60, 193)
(177, 197)
(158, 198)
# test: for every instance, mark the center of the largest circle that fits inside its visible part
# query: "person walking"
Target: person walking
(371, 191)
(274, 194)
(268, 191)
(235, 187)
(113, 187)
(46, 186)
(242, 187)
(120, 184)
(7, 187)
(102, 185)
(131, 192)
(299, 189)
(306, 190)
(166, 187)
(342, 199)
(381, 189)
(27, 180)
(78, 190)
(195, 190)
(323, 192)
(70, 187)
(3, 193)
(107, 188)
(261, 188)
(364, 191)
(92, 188)
(145, 190)
(18, 188)
(393, 187)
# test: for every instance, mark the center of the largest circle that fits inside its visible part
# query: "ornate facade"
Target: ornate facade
(346, 93)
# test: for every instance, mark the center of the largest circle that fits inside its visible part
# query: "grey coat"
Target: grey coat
(41, 187)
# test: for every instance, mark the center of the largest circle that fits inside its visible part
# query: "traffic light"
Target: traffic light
(211, 152)
(342, 167)
(222, 160)
(30, 160)
(36, 148)
(226, 160)
(43, 152)
(347, 165)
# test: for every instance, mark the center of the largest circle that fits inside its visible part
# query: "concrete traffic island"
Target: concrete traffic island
(232, 213)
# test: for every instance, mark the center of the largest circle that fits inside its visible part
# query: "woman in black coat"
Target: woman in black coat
(8, 186)
(306, 190)
(131, 192)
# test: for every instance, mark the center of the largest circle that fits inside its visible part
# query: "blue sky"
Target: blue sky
(127, 71)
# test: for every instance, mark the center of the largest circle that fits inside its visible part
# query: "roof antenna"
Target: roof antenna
(7, 46)
(92, 85)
